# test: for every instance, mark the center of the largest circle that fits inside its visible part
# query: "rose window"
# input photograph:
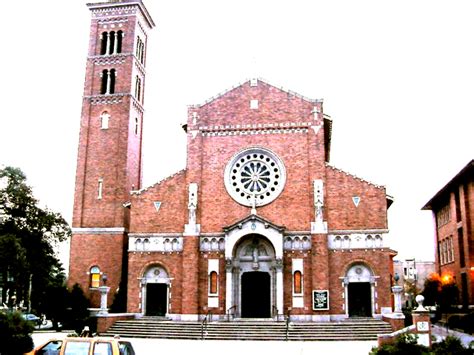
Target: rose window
(255, 176)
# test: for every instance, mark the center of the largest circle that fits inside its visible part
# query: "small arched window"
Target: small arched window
(104, 120)
(94, 277)
(213, 282)
(297, 282)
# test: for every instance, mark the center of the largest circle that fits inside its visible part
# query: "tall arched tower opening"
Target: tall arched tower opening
(109, 162)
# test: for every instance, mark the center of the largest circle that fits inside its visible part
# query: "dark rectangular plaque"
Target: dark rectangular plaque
(320, 300)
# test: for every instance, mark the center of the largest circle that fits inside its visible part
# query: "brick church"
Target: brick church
(257, 225)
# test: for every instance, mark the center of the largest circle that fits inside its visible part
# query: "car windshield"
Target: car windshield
(52, 348)
(126, 348)
(77, 348)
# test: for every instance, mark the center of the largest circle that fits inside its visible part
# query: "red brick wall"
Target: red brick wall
(341, 210)
(378, 260)
(173, 212)
(102, 250)
(138, 264)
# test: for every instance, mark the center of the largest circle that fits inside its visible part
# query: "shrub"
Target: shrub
(404, 344)
(450, 345)
(15, 334)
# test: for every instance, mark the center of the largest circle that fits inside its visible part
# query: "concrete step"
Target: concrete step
(148, 327)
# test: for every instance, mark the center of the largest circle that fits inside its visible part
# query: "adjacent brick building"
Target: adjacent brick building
(258, 224)
(453, 211)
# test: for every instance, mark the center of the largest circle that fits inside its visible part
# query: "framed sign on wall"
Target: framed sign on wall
(320, 300)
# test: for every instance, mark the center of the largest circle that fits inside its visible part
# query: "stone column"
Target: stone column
(279, 285)
(397, 293)
(421, 320)
(229, 301)
(104, 291)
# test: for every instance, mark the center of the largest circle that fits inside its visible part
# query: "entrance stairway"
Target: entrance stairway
(150, 327)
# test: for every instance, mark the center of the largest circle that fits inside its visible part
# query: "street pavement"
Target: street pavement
(231, 347)
(215, 347)
(442, 332)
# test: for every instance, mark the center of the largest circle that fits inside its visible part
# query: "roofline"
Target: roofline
(445, 188)
(119, 3)
(247, 81)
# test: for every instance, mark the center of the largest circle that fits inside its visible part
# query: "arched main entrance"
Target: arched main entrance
(155, 285)
(254, 275)
(359, 291)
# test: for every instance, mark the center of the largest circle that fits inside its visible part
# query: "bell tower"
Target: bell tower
(109, 162)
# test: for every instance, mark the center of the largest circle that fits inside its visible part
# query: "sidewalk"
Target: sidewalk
(442, 332)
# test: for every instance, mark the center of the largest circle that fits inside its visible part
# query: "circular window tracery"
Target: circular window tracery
(255, 176)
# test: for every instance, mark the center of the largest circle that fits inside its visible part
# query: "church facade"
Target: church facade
(259, 223)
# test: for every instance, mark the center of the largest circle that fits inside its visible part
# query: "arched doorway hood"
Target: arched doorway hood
(254, 224)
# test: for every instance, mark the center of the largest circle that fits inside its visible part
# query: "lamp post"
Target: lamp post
(104, 290)
(397, 293)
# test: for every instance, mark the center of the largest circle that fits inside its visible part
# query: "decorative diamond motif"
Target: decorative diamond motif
(255, 176)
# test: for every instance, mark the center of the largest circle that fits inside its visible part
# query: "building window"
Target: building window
(255, 177)
(108, 78)
(138, 88)
(104, 120)
(137, 126)
(140, 50)
(443, 216)
(94, 277)
(100, 186)
(297, 282)
(111, 42)
(213, 282)
(446, 250)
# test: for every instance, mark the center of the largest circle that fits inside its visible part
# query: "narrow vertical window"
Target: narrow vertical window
(297, 282)
(119, 41)
(104, 78)
(142, 53)
(137, 49)
(213, 282)
(94, 277)
(137, 126)
(103, 43)
(112, 80)
(100, 186)
(111, 49)
(138, 88)
(104, 120)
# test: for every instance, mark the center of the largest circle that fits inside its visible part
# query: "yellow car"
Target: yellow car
(84, 346)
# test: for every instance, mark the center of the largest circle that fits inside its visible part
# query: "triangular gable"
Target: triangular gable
(250, 82)
(254, 218)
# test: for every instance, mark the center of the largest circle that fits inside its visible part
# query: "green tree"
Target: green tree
(432, 290)
(15, 334)
(28, 236)
(441, 291)
(78, 315)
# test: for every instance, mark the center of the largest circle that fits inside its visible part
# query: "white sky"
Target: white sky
(396, 77)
